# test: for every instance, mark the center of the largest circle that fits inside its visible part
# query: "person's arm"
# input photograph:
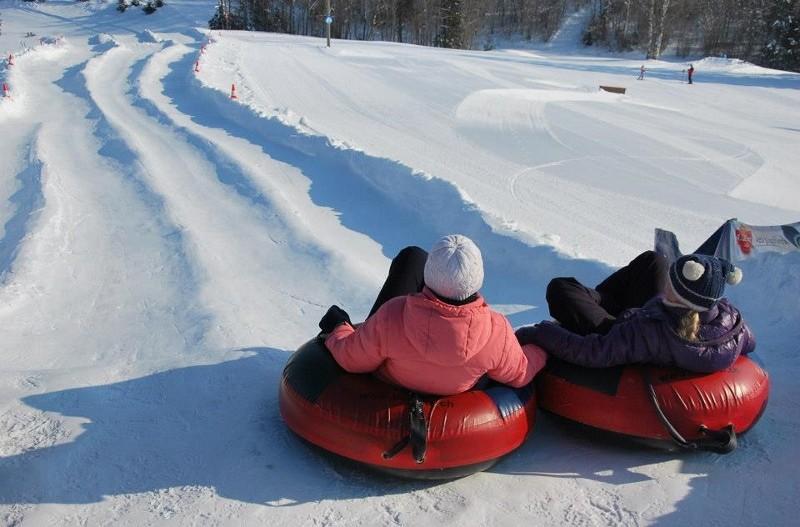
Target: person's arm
(749, 344)
(517, 365)
(623, 344)
(357, 350)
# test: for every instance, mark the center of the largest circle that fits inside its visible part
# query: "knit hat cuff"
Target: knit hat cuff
(686, 301)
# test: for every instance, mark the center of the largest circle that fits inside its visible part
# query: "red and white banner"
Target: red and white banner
(737, 241)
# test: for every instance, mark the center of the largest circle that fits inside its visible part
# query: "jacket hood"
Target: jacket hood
(433, 326)
(721, 338)
(718, 324)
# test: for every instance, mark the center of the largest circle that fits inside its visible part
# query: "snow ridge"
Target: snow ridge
(26, 200)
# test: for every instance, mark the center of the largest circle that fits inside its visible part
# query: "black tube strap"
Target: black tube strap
(719, 441)
(419, 428)
(389, 454)
(418, 435)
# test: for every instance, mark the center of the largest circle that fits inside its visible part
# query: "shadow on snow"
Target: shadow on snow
(28, 199)
(214, 426)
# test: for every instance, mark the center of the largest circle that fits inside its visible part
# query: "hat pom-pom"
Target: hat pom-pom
(693, 270)
(734, 277)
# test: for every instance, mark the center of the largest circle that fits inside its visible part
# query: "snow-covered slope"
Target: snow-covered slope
(163, 249)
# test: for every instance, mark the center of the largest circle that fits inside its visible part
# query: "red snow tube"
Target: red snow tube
(392, 430)
(660, 405)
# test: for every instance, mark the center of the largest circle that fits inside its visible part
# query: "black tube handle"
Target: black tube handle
(418, 432)
(419, 428)
(720, 441)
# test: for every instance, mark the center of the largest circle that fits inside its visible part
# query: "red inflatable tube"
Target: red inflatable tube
(659, 404)
(366, 420)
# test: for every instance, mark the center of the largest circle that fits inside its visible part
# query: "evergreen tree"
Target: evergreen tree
(225, 17)
(451, 24)
(782, 50)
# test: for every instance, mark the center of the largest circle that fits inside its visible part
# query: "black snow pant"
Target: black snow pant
(406, 276)
(584, 310)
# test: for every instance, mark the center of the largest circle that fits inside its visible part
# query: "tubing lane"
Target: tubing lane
(238, 244)
(280, 190)
(89, 251)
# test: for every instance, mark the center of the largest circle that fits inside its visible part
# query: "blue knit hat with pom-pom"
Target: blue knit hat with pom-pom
(699, 280)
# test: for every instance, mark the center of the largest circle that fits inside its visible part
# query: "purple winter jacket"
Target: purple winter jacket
(646, 335)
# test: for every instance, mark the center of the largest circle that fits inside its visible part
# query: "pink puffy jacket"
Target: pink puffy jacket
(424, 344)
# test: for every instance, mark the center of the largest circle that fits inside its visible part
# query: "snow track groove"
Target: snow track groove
(89, 205)
(205, 191)
(27, 199)
(123, 162)
(271, 189)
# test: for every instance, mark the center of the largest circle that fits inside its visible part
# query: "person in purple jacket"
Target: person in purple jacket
(686, 324)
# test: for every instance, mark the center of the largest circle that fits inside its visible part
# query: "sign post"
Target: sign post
(328, 21)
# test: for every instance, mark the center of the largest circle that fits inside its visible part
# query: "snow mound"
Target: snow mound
(49, 48)
(148, 37)
(362, 53)
(198, 33)
(724, 64)
(103, 40)
(554, 84)
(52, 41)
(524, 53)
(519, 108)
(11, 107)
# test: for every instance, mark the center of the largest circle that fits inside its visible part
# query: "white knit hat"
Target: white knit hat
(454, 268)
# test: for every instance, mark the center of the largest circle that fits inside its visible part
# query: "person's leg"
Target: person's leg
(406, 276)
(577, 307)
(633, 285)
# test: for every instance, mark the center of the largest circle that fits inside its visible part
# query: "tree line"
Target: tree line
(446, 23)
(766, 32)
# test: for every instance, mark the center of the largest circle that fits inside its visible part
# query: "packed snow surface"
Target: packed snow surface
(165, 247)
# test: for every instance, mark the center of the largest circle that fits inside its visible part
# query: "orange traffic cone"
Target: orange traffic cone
(233, 91)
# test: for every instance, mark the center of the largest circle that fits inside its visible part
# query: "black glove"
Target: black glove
(526, 334)
(335, 316)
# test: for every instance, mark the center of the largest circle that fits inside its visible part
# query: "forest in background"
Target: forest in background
(765, 32)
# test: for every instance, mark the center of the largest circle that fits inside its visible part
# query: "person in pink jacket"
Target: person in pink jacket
(430, 330)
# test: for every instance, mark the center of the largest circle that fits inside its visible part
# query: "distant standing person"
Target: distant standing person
(641, 73)
(689, 73)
